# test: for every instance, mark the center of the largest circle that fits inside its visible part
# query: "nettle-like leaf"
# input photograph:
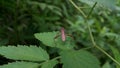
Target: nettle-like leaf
(106, 65)
(21, 65)
(49, 64)
(31, 53)
(47, 38)
(66, 45)
(79, 59)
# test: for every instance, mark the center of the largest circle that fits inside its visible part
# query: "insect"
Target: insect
(63, 35)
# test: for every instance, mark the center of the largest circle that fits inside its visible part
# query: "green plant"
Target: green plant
(115, 51)
(92, 37)
(54, 14)
(36, 57)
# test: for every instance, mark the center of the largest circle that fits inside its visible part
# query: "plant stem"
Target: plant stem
(78, 8)
(107, 54)
(90, 32)
(91, 10)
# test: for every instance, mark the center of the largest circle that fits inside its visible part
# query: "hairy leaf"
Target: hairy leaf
(49, 64)
(31, 53)
(20, 65)
(65, 45)
(106, 65)
(47, 38)
(79, 59)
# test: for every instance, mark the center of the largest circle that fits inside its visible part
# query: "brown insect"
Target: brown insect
(63, 35)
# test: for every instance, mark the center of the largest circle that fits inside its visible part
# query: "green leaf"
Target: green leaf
(79, 59)
(47, 38)
(117, 40)
(31, 53)
(116, 54)
(41, 5)
(55, 9)
(49, 64)
(105, 3)
(65, 45)
(106, 65)
(20, 65)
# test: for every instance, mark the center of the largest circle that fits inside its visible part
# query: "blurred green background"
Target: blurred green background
(21, 19)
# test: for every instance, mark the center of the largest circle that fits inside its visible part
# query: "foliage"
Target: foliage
(101, 3)
(81, 58)
(106, 65)
(31, 53)
(49, 64)
(21, 65)
(44, 37)
(116, 55)
(21, 19)
(47, 38)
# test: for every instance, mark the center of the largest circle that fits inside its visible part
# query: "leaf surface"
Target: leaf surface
(79, 59)
(31, 53)
(106, 65)
(47, 38)
(49, 64)
(20, 65)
